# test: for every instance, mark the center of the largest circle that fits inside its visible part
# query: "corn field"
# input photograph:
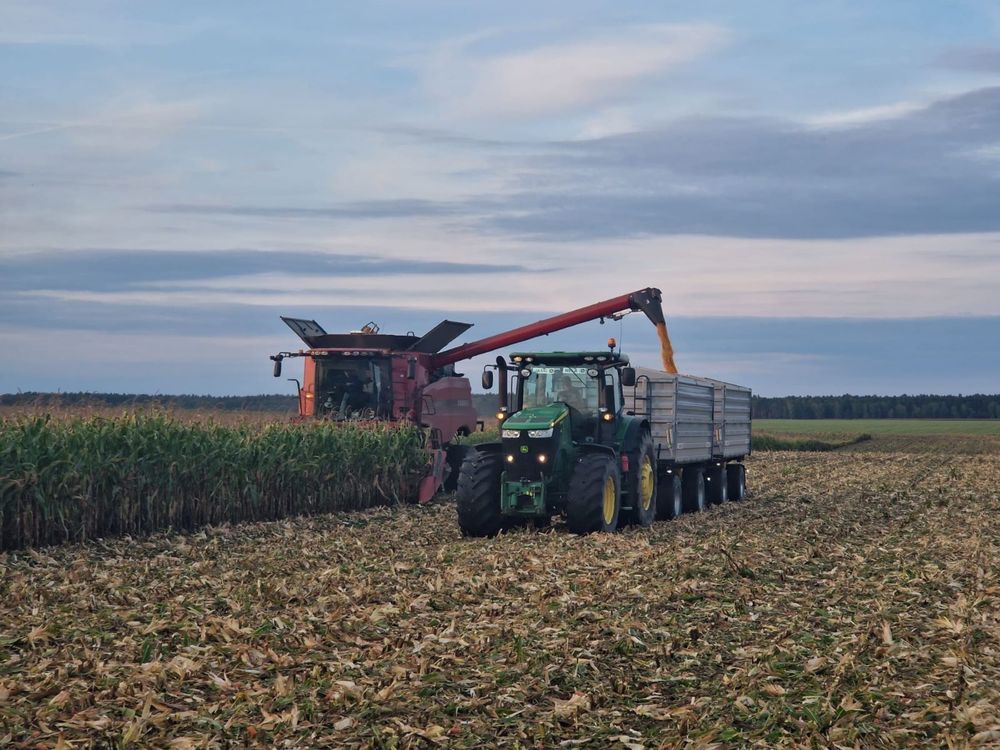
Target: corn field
(90, 477)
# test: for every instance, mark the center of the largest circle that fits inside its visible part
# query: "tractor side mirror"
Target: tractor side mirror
(628, 377)
(487, 380)
(277, 366)
(411, 369)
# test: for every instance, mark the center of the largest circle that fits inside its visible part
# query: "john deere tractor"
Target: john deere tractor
(567, 447)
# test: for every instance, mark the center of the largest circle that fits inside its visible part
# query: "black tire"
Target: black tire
(669, 497)
(716, 484)
(456, 455)
(640, 461)
(585, 502)
(736, 478)
(694, 489)
(478, 497)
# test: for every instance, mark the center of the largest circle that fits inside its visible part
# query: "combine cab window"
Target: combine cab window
(350, 388)
(570, 385)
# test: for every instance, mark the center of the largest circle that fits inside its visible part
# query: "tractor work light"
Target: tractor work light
(539, 433)
(593, 372)
(510, 458)
(526, 372)
(501, 416)
(542, 458)
(511, 433)
(607, 416)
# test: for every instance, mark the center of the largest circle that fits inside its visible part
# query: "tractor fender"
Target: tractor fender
(633, 434)
(596, 448)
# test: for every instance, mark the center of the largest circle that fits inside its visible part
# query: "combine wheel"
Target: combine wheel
(594, 501)
(670, 497)
(716, 484)
(736, 475)
(694, 489)
(478, 496)
(642, 482)
(456, 455)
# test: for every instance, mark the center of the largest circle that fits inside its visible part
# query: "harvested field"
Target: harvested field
(853, 601)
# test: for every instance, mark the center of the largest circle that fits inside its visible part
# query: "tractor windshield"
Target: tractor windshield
(351, 388)
(571, 385)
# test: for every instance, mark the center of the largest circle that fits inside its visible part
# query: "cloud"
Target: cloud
(91, 270)
(371, 209)
(561, 77)
(919, 172)
(974, 59)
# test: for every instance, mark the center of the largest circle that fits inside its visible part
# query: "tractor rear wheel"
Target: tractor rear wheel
(594, 499)
(694, 489)
(642, 482)
(736, 475)
(669, 496)
(716, 484)
(478, 497)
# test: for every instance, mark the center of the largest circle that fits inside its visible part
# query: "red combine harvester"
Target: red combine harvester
(369, 375)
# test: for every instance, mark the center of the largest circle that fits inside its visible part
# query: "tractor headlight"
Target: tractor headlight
(511, 433)
(540, 433)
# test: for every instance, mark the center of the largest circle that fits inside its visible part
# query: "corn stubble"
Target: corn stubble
(88, 477)
(851, 602)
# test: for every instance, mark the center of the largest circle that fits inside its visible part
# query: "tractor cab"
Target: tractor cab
(583, 388)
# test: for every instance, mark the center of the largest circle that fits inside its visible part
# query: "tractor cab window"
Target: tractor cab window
(570, 385)
(349, 388)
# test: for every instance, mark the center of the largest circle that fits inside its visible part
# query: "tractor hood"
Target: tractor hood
(537, 417)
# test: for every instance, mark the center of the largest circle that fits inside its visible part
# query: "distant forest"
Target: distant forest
(977, 406)
(263, 402)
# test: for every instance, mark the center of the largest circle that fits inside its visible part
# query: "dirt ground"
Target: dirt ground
(852, 601)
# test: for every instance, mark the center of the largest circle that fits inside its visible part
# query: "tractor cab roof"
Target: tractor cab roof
(603, 358)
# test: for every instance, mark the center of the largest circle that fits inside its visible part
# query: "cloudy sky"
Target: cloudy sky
(814, 186)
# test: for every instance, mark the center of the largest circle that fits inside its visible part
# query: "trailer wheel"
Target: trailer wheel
(670, 497)
(642, 489)
(716, 485)
(456, 455)
(594, 500)
(478, 498)
(694, 489)
(736, 476)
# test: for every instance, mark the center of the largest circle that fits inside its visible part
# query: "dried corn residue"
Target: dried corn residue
(666, 349)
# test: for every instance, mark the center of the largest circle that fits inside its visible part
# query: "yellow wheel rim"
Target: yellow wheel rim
(609, 500)
(646, 483)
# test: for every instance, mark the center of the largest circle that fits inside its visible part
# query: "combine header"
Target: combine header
(369, 375)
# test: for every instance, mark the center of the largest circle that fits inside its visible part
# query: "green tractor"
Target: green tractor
(568, 446)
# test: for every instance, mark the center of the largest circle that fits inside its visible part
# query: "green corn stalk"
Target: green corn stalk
(90, 477)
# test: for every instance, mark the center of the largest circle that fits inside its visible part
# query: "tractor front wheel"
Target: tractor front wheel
(594, 501)
(478, 497)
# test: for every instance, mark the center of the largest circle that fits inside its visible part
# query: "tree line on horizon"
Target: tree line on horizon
(976, 406)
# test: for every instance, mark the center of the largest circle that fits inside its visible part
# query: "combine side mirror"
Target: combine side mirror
(628, 377)
(487, 380)
(411, 369)
(277, 366)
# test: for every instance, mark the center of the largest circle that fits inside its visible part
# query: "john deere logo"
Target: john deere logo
(524, 449)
